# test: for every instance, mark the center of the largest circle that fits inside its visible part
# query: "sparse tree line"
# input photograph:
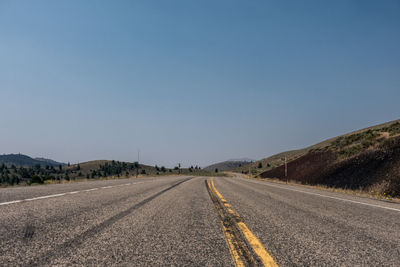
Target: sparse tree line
(176, 169)
(116, 168)
(13, 175)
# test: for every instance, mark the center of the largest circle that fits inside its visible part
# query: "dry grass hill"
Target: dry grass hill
(367, 159)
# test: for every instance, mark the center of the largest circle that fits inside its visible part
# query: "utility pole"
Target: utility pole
(137, 167)
(286, 170)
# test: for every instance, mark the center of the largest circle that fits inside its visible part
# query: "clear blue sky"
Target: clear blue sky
(192, 81)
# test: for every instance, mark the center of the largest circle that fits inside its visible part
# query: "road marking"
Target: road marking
(237, 247)
(251, 238)
(235, 255)
(67, 193)
(320, 195)
(93, 189)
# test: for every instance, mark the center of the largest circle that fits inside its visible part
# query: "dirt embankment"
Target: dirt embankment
(375, 169)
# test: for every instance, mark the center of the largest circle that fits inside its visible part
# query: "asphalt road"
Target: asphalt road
(173, 221)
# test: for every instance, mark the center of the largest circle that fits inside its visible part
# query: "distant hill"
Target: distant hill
(50, 162)
(24, 160)
(229, 164)
(242, 160)
(367, 159)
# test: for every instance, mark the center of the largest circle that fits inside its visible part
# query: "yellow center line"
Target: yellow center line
(235, 255)
(252, 239)
(230, 238)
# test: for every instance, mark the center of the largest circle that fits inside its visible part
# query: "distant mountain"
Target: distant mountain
(229, 164)
(50, 162)
(24, 160)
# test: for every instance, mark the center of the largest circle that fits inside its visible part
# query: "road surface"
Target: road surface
(194, 221)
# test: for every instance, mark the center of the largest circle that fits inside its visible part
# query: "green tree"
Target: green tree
(216, 169)
(259, 165)
(36, 180)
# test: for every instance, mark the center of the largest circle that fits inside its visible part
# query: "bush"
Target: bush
(36, 180)
(394, 128)
(350, 151)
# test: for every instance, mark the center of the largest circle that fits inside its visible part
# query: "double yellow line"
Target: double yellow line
(255, 244)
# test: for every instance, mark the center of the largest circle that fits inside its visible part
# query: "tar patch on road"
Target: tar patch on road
(29, 231)
(246, 249)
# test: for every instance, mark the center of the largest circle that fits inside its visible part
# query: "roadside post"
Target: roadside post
(286, 170)
(137, 167)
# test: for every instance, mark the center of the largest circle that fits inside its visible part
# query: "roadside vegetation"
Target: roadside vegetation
(12, 175)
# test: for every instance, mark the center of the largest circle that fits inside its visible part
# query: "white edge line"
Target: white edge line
(316, 194)
(66, 193)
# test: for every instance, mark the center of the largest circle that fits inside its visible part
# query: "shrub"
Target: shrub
(36, 180)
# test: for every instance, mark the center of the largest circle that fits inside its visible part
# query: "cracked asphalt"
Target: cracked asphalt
(168, 221)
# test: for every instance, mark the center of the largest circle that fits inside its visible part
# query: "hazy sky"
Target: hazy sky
(192, 81)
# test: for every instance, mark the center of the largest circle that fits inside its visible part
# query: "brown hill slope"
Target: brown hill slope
(368, 159)
(226, 165)
(278, 159)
